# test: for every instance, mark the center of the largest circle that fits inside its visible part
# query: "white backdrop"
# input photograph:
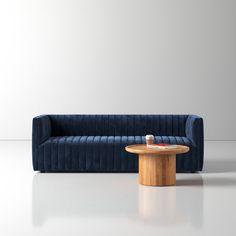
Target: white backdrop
(118, 56)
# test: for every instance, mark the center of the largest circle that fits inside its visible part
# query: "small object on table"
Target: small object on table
(149, 139)
(157, 167)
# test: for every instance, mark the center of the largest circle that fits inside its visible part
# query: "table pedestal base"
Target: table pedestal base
(157, 170)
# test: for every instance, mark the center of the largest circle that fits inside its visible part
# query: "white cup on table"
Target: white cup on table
(149, 139)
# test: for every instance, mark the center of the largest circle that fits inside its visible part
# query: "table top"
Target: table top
(142, 149)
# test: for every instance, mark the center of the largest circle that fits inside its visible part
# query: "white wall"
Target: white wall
(117, 56)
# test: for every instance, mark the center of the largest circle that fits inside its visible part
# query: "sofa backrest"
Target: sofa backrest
(118, 125)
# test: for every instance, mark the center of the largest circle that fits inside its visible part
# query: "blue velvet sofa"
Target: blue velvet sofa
(95, 143)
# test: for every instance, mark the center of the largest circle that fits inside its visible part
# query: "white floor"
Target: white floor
(115, 204)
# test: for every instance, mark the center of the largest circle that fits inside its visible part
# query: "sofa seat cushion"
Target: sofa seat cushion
(95, 153)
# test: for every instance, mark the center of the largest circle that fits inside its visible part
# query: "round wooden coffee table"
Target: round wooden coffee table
(157, 167)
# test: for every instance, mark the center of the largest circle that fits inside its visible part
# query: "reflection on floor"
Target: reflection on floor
(107, 195)
(171, 206)
(35, 203)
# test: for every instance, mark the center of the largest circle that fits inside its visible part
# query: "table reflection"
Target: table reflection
(173, 205)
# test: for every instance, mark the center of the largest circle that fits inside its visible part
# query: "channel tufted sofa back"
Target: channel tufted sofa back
(118, 125)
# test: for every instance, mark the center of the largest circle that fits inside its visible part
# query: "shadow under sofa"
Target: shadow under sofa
(96, 143)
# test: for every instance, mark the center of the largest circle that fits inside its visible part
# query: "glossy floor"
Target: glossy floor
(115, 204)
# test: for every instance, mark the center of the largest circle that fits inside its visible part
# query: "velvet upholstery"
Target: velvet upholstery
(95, 143)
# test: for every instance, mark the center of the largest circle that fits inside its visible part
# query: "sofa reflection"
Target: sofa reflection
(115, 196)
(81, 195)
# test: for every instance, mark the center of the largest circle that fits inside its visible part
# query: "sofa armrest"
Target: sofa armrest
(194, 129)
(41, 129)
